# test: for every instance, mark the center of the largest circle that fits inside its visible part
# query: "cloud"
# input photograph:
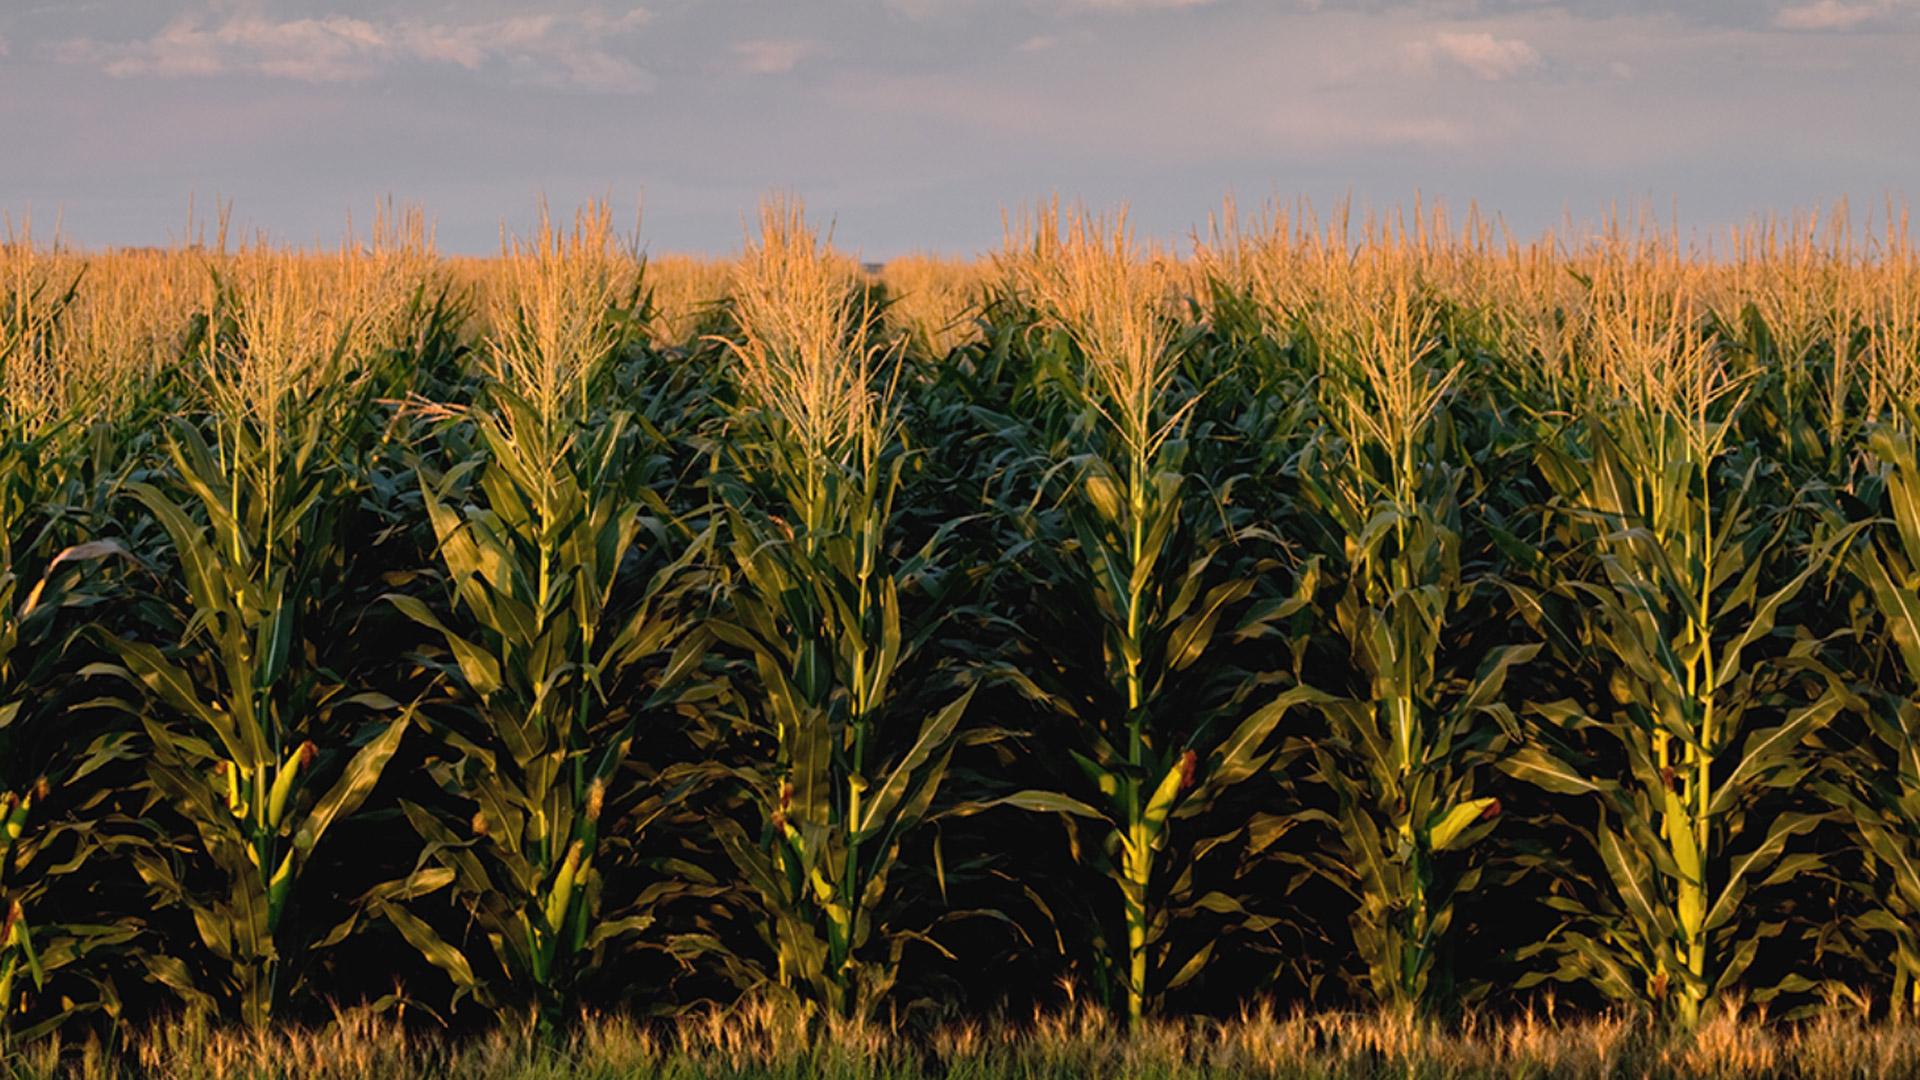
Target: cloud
(1486, 56)
(557, 50)
(1135, 5)
(1339, 130)
(932, 9)
(1829, 15)
(771, 57)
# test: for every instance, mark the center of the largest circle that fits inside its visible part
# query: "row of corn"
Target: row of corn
(1390, 614)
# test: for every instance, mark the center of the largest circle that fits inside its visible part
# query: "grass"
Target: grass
(765, 1043)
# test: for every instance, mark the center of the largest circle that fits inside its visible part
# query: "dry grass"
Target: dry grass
(765, 1041)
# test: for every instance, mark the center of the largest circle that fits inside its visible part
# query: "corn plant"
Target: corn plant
(1879, 788)
(739, 665)
(575, 603)
(1797, 315)
(1148, 570)
(45, 844)
(1407, 753)
(17, 955)
(42, 743)
(34, 305)
(253, 740)
(823, 604)
(1681, 571)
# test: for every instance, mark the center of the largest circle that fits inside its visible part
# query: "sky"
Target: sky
(919, 125)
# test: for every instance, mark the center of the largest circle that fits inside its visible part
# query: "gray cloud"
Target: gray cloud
(1830, 14)
(1487, 57)
(947, 9)
(1133, 5)
(913, 122)
(771, 57)
(559, 49)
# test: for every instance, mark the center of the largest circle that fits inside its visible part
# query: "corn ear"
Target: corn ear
(278, 888)
(562, 894)
(1104, 494)
(236, 802)
(1686, 854)
(17, 818)
(1162, 800)
(283, 787)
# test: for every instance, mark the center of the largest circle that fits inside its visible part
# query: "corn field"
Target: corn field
(1382, 617)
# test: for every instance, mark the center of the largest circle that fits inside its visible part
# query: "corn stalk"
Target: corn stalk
(574, 607)
(820, 601)
(43, 839)
(549, 632)
(1407, 755)
(252, 740)
(1681, 577)
(827, 635)
(1878, 786)
(1137, 549)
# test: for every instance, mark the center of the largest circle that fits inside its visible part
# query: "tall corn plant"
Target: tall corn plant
(1880, 787)
(1680, 561)
(571, 587)
(1407, 757)
(35, 302)
(1160, 573)
(18, 959)
(47, 838)
(48, 820)
(253, 740)
(32, 651)
(821, 599)
(1791, 313)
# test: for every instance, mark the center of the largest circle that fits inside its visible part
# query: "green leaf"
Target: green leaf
(1543, 770)
(935, 733)
(1194, 966)
(1036, 801)
(1238, 757)
(481, 671)
(432, 947)
(357, 782)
